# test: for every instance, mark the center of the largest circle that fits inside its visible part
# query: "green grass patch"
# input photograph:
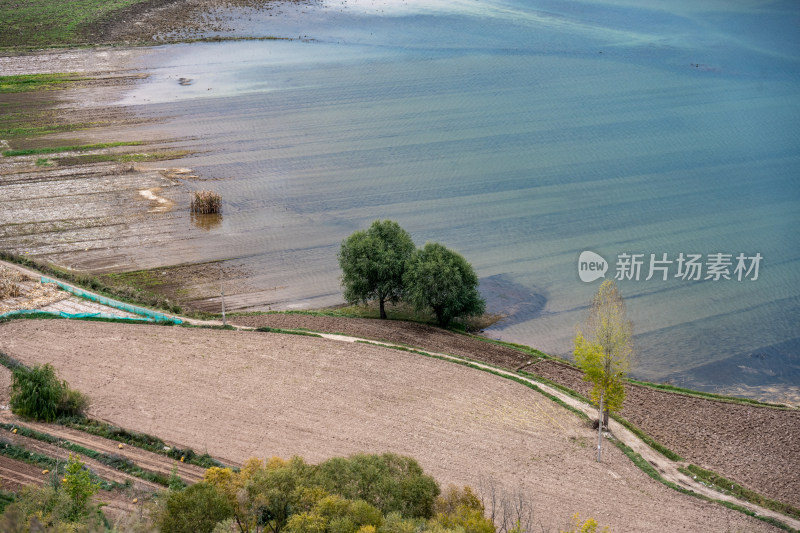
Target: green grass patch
(727, 486)
(9, 362)
(56, 466)
(267, 329)
(28, 130)
(59, 149)
(18, 453)
(527, 350)
(43, 162)
(36, 82)
(53, 22)
(122, 158)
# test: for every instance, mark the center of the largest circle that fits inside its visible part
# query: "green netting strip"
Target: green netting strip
(72, 315)
(136, 310)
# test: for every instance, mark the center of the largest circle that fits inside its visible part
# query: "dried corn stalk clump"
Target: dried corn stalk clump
(206, 202)
(10, 283)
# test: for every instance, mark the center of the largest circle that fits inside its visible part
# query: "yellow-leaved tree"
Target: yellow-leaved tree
(604, 351)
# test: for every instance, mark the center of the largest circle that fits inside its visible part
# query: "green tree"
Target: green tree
(80, 488)
(196, 509)
(373, 262)
(604, 351)
(264, 496)
(441, 280)
(390, 482)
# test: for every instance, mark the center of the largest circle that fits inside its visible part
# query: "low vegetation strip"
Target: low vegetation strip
(730, 487)
(37, 82)
(140, 440)
(707, 395)
(647, 468)
(78, 148)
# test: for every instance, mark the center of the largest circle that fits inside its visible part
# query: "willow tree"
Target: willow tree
(604, 351)
(441, 280)
(373, 263)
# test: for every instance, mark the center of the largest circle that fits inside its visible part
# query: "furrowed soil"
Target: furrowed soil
(757, 447)
(237, 394)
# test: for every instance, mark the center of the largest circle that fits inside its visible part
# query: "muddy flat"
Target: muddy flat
(242, 394)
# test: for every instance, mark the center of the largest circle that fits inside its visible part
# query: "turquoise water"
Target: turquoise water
(520, 134)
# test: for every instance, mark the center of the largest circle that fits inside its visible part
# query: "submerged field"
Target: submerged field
(242, 394)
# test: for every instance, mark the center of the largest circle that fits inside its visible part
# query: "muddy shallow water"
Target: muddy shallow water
(518, 135)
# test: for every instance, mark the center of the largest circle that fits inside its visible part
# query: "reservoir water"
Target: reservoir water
(519, 133)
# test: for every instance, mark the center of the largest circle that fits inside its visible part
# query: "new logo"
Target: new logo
(591, 266)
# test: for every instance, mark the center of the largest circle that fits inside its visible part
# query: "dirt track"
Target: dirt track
(757, 447)
(239, 394)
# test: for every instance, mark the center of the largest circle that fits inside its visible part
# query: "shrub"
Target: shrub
(73, 403)
(38, 394)
(206, 202)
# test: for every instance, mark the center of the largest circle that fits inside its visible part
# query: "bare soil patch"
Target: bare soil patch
(238, 394)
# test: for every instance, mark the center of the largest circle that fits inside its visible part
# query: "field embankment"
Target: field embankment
(237, 394)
